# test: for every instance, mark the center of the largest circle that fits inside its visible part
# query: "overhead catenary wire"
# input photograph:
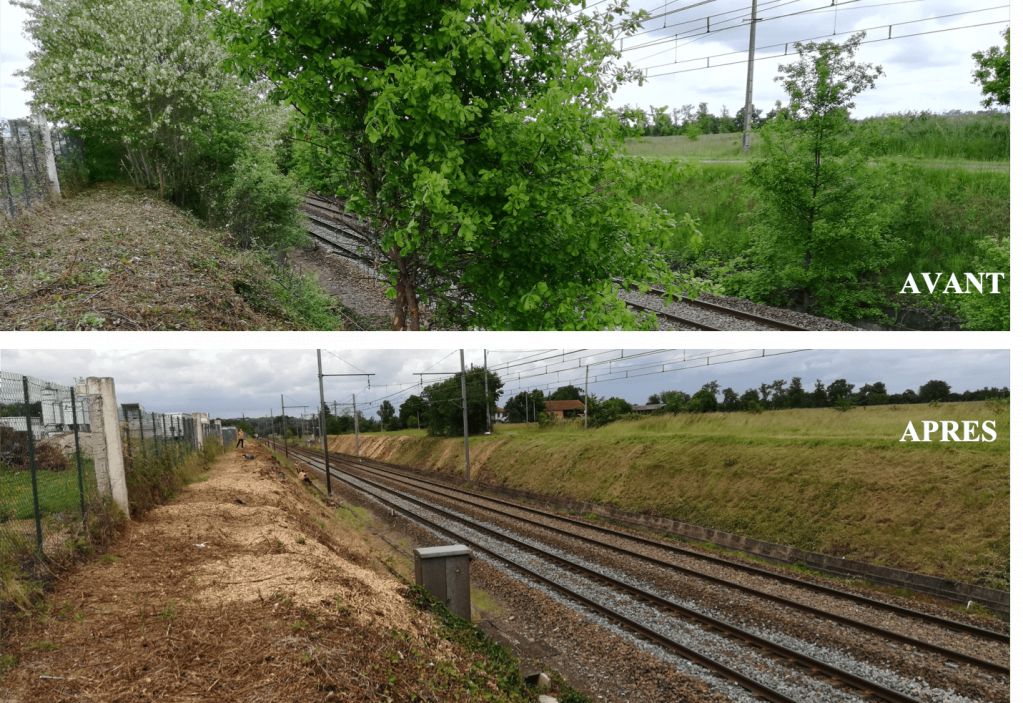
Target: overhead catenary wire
(785, 53)
(761, 20)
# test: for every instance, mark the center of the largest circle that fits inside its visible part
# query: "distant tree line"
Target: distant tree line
(839, 394)
(689, 120)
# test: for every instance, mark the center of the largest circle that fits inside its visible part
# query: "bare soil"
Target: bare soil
(242, 589)
(117, 258)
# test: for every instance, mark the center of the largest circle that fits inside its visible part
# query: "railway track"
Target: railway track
(345, 234)
(871, 690)
(694, 313)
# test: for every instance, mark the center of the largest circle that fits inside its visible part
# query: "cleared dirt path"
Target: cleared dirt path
(242, 589)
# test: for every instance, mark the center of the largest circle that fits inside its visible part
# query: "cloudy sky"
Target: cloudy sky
(927, 72)
(227, 383)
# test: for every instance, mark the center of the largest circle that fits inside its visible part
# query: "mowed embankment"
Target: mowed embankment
(244, 588)
(822, 480)
(118, 258)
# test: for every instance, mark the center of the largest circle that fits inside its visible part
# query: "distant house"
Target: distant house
(561, 409)
(648, 408)
(500, 415)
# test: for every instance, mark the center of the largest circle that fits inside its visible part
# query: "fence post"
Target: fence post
(78, 457)
(48, 155)
(197, 420)
(156, 442)
(142, 434)
(16, 131)
(109, 453)
(5, 171)
(32, 465)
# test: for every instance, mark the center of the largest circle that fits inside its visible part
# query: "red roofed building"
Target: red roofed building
(560, 409)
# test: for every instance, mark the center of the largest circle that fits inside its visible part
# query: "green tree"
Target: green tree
(704, 400)
(525, 406)
(568, 392)
(823, 222)
(388, 419)
(934, 391)
(730, 400)
(605, 410)
(839, 390)
(468, 135)
(412, 412)
(444, 402)
(992, 73)
(675, 401)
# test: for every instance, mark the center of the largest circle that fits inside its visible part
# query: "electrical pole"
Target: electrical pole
(465, 415)
(284, 427)
(486, 390)
(586, 399)
(323, 419)
(747, 118)
(355, 417)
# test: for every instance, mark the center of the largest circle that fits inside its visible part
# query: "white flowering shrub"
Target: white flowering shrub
(145, 79)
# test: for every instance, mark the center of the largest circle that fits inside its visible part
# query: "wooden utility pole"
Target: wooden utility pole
(747, 118)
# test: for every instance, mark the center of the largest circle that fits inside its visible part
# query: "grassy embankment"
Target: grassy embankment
(819, 479)
(955, 188)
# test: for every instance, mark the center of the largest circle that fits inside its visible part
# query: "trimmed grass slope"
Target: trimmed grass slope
(819, 479)
(118, 258)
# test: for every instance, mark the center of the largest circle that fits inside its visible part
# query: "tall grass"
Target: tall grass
(971, 136)
(946, 216)
(979, 136)
(154, 478)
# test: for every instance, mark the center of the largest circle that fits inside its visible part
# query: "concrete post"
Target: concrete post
(108, 453)
(197, 420)
(51, 162)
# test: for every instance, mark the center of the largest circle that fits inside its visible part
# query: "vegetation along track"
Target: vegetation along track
(348, 236)
(370, 473)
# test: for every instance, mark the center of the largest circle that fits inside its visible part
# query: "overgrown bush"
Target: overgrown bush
(261, 205)
(155, 478)
(144, 85)
(988, 311)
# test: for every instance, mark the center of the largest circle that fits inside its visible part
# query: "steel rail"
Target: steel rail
(673, 317)
(713, 307)
(811, 664)
(818, 612)
(974, 630)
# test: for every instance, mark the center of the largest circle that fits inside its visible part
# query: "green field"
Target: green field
(975, 141)
(58, 491)
(819, 479)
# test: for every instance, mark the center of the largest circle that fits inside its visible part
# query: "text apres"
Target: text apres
(951, 431)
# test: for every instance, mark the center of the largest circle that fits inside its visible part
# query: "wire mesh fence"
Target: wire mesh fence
(35, 161)
(56, 456)
(47, 486)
